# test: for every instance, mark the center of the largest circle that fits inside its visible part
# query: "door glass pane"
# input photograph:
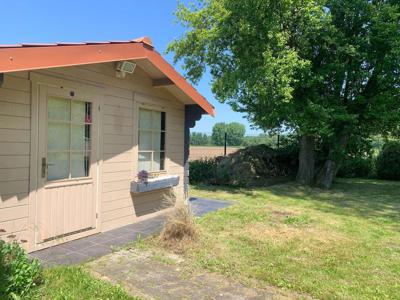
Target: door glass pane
(156, 122)
(78, 137)
(58, 136)
(145, 140)
(58, 165)
(144, 161)
(145, 119)
(58, 109)
(78, 112)
(80, 163)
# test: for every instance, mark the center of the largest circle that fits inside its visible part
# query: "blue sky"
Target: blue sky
(74, 21)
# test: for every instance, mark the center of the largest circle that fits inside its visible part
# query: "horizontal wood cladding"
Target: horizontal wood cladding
(13, 174)
(15, 126)
(13, 213)
(13, 161)
(14, 136)
(16, 225)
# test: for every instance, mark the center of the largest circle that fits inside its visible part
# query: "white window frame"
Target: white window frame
(70, 151)
(153, 131)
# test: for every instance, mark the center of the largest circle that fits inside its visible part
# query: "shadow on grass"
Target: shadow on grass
(374, 199)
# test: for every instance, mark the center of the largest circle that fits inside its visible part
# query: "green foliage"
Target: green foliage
(252, 166)
(388, 161)
(202, 171)
(327, 68)
(74, 282)
(18, 274)
(357, 167)
(199, 139)
(235, 134)
(260, 139)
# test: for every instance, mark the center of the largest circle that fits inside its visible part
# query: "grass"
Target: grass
(342, 243)
(76, 283)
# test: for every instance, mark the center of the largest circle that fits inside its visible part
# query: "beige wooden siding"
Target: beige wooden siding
(14, 156)
(118, 140)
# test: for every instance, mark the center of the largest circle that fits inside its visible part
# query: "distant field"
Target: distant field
(198, 152)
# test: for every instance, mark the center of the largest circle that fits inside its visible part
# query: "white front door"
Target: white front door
(67, 164)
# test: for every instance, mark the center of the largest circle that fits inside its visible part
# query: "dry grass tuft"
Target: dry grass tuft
(180, 229)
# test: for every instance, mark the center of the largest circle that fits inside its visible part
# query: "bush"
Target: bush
(202, 171)
(252, 166)
(388, 162)
(257, 166)
(361, 167)
(18, 274)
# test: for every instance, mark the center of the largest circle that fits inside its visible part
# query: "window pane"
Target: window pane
(78, 112)
(144, 161)
(144, 119)
(58, 109)
(159, 159)
(156, 122)
(58, 136)
(58, 165)
(78, 140)
(145, 140)
(80, 163)
(156, 141)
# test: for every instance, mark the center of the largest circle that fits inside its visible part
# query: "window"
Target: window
(151, 140)
(69, 126)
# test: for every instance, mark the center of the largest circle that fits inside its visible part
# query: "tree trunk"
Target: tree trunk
(327, 174)
(305, 173)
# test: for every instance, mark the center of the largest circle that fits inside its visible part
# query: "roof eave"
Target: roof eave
(28, 58)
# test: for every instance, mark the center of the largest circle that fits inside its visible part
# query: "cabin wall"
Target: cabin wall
(117, 149)
(118, 140)
(14, 156)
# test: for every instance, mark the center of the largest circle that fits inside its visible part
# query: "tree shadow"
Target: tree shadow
(372, 199)
(376, 200)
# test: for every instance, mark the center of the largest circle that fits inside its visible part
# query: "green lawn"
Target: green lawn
(343, 243)
(76, 283)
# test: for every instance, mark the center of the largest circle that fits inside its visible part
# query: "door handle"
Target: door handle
(45, 165)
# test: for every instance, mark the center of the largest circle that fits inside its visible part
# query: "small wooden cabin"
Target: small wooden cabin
(78, 122)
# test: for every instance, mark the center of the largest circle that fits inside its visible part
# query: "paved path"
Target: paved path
(145, 275)
(94, 246)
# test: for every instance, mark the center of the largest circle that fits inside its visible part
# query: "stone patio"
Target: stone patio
(149, 275)
(94, 246)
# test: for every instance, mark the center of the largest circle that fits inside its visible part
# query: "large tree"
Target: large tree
(328, 69)
(234, 134)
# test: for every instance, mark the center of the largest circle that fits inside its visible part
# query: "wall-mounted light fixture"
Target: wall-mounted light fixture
(124, 67)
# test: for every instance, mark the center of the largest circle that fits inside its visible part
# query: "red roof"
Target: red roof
(25, 57)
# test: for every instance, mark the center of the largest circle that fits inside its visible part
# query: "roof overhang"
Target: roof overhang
(27, 57)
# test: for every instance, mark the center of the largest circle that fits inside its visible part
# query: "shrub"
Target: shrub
(252, 166)
(388, 161)
(361, 167)
(202, 171)
(18, 274)
(257, 166)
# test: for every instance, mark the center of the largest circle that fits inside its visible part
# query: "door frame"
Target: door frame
(97, 92)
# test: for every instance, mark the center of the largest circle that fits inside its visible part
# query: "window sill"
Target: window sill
(160, 182)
